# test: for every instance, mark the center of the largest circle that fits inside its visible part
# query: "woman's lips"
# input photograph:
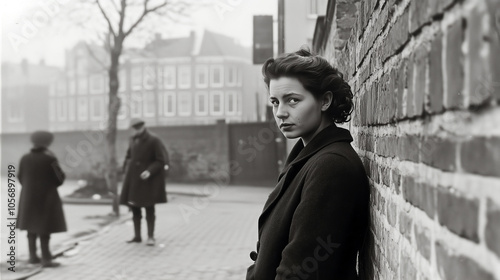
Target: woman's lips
(286, 126)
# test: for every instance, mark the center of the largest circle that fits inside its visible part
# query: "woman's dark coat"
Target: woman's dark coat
(40, 207)
(145, 152)
(314, 221)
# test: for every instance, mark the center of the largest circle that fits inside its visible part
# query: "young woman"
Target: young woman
(316, 221)
(40, 207)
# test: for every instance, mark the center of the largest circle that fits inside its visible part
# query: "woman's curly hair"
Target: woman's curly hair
(317, 76)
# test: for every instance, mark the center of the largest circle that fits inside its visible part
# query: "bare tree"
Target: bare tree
(120, 25)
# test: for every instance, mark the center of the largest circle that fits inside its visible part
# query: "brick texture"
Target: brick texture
(427, 75)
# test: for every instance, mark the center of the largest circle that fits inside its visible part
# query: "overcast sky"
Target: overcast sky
(25, 33)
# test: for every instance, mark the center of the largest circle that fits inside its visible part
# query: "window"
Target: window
(149, 77)
(149, 104)
(52, 110)
(313, 7)
(96, 84)
(169, 77)
(96, 108)
(71, 109)
(61, 88)
(61, 109)
(82, 86)
(201, 76)
(136, 104)
(216, 103)
(231, 75)
(124, 107)
(169, 103)
(239, 76)
(184, 76)
(216, 76)
(201, 103)
(231, 103)
(122, 81)
(136, 77)
(184, 100)
(83, 108)
(15, 110)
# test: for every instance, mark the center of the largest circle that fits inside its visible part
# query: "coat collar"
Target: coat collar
(299, 156)
(142, 136)
(327, 136)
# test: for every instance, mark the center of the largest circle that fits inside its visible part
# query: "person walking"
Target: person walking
(316, 220)
(145, 165)
(40, 207)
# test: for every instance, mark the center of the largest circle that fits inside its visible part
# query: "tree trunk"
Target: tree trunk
(114, 106)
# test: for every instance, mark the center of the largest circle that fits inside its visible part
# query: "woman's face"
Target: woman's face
(296, 111)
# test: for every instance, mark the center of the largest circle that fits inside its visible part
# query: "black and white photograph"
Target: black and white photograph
(250, 139)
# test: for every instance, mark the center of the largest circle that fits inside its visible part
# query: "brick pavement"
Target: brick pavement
(195, 239)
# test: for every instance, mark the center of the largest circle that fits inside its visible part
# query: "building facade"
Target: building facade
(200, 79)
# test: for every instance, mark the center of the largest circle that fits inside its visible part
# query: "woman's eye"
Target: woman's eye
(294, 100)
(274, 102)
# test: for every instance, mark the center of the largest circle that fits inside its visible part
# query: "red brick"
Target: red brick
(396, 181)
(458, 267)
(436, 75)
(401, 85)
(392, 212)
(386, 175)
(492, 232)
(422, 236)
(419, 85)
(398, 34)
(405, 224)
(479, 73)
(454, 65)
(481, 156)
(420, 13)
(408, 270)
(420, 195)
(439, 153)
(410, 98)
(408, 148)
(494, 58)
(459, 214)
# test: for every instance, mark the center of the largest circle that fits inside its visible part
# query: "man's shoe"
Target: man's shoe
(150, 242)
(50, 264)
(135, 240)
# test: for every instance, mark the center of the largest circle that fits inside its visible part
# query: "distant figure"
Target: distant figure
(144, 185)
(316, 220)
(40, 207)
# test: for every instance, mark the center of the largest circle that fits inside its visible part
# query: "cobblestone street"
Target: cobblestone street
(196, 238)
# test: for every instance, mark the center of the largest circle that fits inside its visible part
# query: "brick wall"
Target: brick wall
(426, 78)
(196, 152)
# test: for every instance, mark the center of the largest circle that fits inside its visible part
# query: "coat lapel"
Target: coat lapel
(297, 158)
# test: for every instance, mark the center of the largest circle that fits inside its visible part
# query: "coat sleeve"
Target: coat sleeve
(127, 158)
(58, 175)
(322, 221)
(159, 159)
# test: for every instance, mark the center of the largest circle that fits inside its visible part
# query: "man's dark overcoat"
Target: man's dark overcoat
(145, 152)
(40, 207)
(314, 221)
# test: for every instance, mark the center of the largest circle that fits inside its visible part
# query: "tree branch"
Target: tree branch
(144, 13)
(106, 17)
(93, 55)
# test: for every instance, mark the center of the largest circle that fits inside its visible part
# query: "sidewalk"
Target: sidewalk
(196, 238)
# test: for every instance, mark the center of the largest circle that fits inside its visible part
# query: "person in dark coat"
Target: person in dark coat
(144, 183)
(316, 220)
(40, 207)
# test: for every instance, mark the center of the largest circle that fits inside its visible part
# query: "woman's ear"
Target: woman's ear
(326, 100)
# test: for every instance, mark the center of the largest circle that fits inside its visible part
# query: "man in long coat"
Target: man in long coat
(40, 207)
(144, 183)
